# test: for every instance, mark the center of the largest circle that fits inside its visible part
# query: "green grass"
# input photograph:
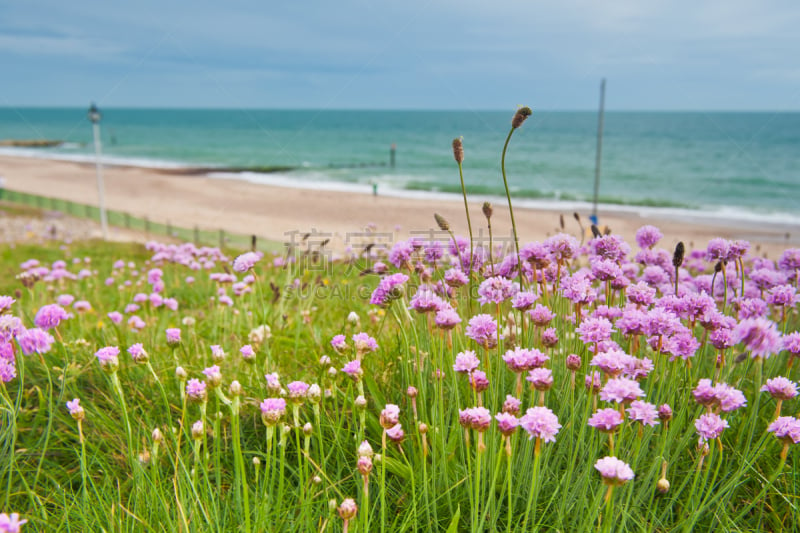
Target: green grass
(121, 483)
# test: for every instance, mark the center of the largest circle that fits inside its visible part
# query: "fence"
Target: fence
(199, 236)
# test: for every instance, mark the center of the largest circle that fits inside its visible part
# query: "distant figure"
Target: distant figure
(374, 188)
(392, 152)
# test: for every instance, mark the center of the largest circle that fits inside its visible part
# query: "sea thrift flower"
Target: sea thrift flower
(665, 413)
(353, 369)
(780, 388)
(272, 410)
(614, 471)
(594, 330)
(115, 317)
(466, 362)
(248, 354)
(217, 353)
(5, 303)
(108, 357)
(612, 362)
(348, 509)
(729, 399)
(138, 353)
(507, 423)
(593, 383)
(710, 426)
(759, 335)
(10, 523)
(50, 316)
(273, 382)
(75, 409)
(198, 430)
(541, 378)
(511, 405)
(390, 288)
(541, 315)
(260, 334)
(447, 318)
(483, 330)
(540, 422)
(643, 412)
(524, 300)
(390, 416)
(35, 340)
(173, 336)
(425, 300)
(245, 262)
(213, 375)
(550, 337)
(496, 290)
(339, 343)
(297, 391)
(364, 343)
(396, 433)
(478, 381)
(196, 390)
(606, 420)
(648, 236)
(786, 428)
(621, 390)
(455, 278)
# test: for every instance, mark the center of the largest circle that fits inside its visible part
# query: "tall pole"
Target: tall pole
(94, 116)
(599, 154)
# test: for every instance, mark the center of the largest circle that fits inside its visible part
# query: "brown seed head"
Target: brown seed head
(458, 150)
(520, 116)
(441, 222)
(488, 210)
(677, 257)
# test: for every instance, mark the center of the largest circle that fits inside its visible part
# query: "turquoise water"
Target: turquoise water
(732, 164)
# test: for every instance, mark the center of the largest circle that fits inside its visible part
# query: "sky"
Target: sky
(412, 54)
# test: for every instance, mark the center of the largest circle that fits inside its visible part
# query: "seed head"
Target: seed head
(677, 257)
(520, 116)
(458, 150)
(663, 485)
(441, 222)
(488, 210)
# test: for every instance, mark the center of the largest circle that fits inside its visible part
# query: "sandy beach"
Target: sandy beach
(275, 213)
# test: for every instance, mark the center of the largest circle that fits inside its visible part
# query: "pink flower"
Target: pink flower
(173, 336)
(10, 523)
(390, 288)
(541, 378)
(364, 343)
(390, 416)
(643, 412)
(648, 236)
(483, 330)
(506, 423)
(196, 390)
(594, 330)
(245, 262)
(710, 426)
(50, 316)
(297, 391)
(621, 390)
(786, 428)
(138, 353)
(339, 343)
(606, 420)
(247, 352)
(478, 381)
(511, 405)
(272, 410)
(780, 388)
(108, 357)
(614, 471)
(478, 418)
(496, 290)
(540, 422)
(115, 317)
(396, 433)
(75, 409)
(447, 318)
(541, 315)
(759, 335)
(353, 369)
(524, 359)
(466, 362)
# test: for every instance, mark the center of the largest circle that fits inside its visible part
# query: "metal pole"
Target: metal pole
(598, 157)
(100, 190)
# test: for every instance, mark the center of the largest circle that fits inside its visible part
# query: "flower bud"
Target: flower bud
(256, 462)
(423, 428)
(365, 450)
(488, 210)
(364, 465)
(198, 430)
(324, 360)
(573, 362)
(411, 392)
(180, 373)
(360, 402)
(235, 388)
(352, 318)
(662, 485)
(308, 429)
(441, 222)
(157, 436)
(316, 480)
(314, 393)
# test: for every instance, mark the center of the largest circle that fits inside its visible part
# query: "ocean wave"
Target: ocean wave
(106, 159)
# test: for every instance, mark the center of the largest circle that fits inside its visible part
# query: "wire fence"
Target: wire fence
(199, 236)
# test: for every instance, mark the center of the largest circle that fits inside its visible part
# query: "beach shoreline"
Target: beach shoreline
(280, 213)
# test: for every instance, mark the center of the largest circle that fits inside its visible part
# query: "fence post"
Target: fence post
(253, 243)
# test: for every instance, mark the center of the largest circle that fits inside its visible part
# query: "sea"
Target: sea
(737, 166)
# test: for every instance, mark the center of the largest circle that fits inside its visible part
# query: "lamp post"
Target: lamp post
(94, 117)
